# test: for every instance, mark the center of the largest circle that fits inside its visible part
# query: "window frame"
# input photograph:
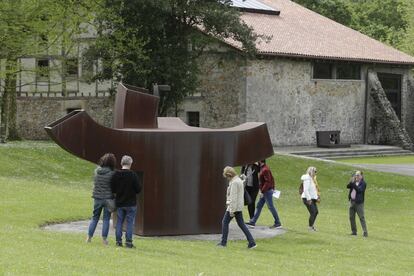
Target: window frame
(334, 70)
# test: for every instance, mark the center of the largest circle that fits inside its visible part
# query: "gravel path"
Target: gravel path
(259, 232)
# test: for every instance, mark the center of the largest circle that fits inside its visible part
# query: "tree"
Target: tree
(384, 20)
(32, 28)
(337, 10)
(142, 42)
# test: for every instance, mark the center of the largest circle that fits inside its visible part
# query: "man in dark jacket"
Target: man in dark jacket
(125, 186)
(266, 186)
(356, 199)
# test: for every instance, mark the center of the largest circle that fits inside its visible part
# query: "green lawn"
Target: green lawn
(408, 159)
(41, 183)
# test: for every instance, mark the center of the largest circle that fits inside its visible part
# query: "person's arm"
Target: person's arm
(137, 185)
(267, 178)
(113, 183)
(351, 185)
(233, 198)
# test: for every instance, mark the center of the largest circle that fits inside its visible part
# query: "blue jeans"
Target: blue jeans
(268, 198)
(98, 205)
(240, 222)
(128, 214)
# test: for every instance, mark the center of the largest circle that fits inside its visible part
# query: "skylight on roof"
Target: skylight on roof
(254, 6)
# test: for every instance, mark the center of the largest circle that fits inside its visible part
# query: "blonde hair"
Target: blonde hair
(229, 172)
(311, 171)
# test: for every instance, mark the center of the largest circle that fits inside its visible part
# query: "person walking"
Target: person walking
(101, 193)
(125, 186)
(356, 197)
(310, 195)
(266, 187)
(235, 203)
(251, 171)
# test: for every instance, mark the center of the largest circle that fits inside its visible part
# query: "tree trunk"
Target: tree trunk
(13, 132)
(9, 81)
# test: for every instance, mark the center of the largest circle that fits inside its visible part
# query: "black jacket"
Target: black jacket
(360, 191)
(125, 186)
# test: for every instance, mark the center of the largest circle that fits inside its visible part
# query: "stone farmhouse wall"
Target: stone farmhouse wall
(282, 93)
(34, 113)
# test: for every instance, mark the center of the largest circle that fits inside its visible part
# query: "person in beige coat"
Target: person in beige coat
(235, 204)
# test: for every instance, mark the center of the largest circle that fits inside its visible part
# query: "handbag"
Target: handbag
(110, 205)
(247, 198)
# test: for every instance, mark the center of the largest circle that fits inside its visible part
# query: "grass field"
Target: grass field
(41, 183)
(408, 159)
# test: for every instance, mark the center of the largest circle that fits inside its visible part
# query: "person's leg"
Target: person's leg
(225, 228)
(120, 212)
(314, 212)
(130, 220)
(305, 202)
(269, 201)
(105, 226)
(253, 194)
(240, 223)
(250, 207)
(97, 208)
(259, 208)
(360, 211)
(352, 211)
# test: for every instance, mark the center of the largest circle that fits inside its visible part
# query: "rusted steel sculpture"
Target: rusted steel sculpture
(183, 186)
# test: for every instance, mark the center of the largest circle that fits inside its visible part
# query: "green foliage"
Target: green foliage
(143, 42)
(337, 10)
(34, 28)
(42, 183)
(383, 20)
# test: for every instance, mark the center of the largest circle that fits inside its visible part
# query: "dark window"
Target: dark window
(322, 70)
(193, 119)
(72, 67)
(348, 71)
(391, 83)
(42, 70)
(340, 71)
(87, 67)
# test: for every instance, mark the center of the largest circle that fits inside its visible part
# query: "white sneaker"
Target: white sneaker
(312, 229)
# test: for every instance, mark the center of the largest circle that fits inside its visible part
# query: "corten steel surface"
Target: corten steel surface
(183, 187)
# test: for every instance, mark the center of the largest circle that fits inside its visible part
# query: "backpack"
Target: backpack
(301, 188)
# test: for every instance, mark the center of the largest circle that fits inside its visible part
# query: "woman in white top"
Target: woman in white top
(235, 204)
(310, 195)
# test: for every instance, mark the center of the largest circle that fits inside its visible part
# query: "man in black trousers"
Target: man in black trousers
(125, 186)
(356, 198)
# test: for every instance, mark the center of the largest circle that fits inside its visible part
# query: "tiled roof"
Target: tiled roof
(299, 32)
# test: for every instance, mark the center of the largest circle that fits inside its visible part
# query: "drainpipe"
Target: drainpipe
(366, 108)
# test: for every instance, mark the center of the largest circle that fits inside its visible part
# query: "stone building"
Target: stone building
(313, 74)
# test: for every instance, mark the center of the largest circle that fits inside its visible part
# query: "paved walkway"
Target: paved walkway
(404, 169)
(259, 232)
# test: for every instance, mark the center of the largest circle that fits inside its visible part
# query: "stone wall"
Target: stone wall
(33, 113)
(220, 98)
(282, 93)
